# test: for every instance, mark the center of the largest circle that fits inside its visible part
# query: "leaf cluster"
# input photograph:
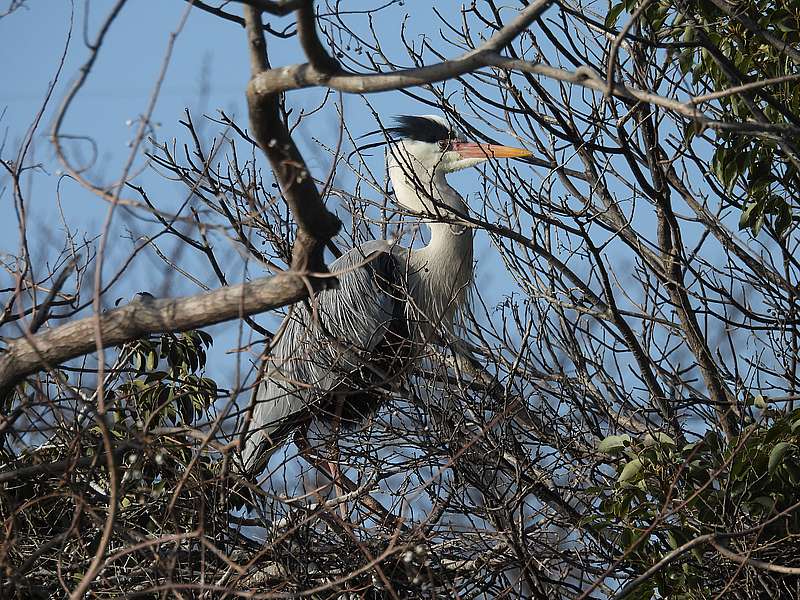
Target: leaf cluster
(712, 51)
(666, 494)
(165, 384)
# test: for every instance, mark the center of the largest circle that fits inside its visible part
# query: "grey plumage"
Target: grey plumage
(329, 348)
(390, 301)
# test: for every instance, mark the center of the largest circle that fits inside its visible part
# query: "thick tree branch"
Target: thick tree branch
(295, 77)
(307, 75)
(316, 224)
(278, 8)
(758, 564)
(27, 355)
(316, 53)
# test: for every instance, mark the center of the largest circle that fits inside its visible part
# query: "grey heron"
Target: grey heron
(390, 299)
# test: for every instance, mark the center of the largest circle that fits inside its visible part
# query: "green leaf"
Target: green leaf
(740, 468)
(207, 340)
(158, 488)
(730, 173)
(755, 227)
(689, 131)
(613, 443)
(630, 470)
(152, 360)
(794, 472)
(659, 437)
(686, 60)
(784, 219)
(748, 214)
(718, 163)
(613, 14)
(765, 502)
(672, 540)
(776, 455)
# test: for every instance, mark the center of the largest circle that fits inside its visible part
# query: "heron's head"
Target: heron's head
(430, 142)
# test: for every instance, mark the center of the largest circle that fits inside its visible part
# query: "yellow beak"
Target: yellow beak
(476, 150)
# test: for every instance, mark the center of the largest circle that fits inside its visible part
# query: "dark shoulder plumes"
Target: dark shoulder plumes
(421, 129)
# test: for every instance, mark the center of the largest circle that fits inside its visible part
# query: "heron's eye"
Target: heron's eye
(444, 145)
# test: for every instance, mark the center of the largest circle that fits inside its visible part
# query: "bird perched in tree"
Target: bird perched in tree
(330, 356)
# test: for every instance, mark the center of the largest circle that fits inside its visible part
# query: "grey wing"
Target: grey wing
(312, 356)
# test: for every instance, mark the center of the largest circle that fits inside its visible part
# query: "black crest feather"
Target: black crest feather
(421, 129)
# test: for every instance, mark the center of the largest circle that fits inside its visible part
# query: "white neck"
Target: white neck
(444, 265)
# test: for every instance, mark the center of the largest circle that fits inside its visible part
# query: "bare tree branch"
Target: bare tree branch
(316, 224)
(50, 348)
(306, 75)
